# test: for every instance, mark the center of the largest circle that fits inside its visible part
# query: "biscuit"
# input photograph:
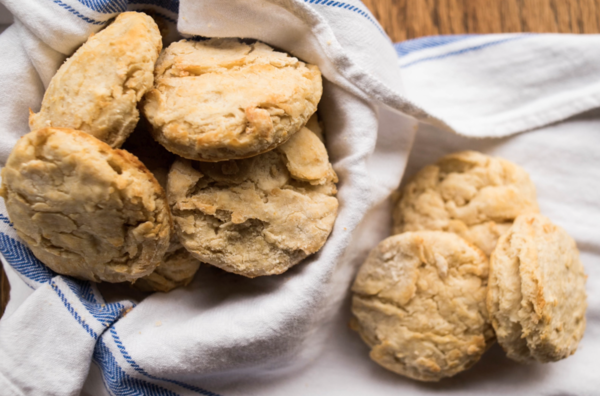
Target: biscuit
(98, 88)
(471, 194)
(85, 209)
(222, 99)
(536, 297)
(177, 269)
(256, 216)
(419, 303)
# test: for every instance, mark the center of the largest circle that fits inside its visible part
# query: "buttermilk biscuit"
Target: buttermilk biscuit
(256, 216)
(419, 303)
(222, 99)
(97, 89)
(468, 193)
(85, 209)
(536, 296)
(177, 267)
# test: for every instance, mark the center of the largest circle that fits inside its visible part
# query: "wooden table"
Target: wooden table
(406, 19)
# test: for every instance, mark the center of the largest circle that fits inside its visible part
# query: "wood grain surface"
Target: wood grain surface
(406, 19)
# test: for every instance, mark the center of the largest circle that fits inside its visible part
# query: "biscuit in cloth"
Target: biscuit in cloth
(85, 209)
(468, 193)
(177, 267)
(98, 88)
(223, 99)
(536, 297)
(256, 216)
(419, 303)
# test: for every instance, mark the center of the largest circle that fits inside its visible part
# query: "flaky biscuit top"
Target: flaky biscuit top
(98, 88)
(471, 194)
(222, 99)
(419, 303)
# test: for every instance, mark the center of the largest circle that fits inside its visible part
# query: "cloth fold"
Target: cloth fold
(224, 334)
(501, 84)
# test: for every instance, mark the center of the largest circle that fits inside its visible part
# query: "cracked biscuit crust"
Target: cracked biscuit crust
(98, 88)
(419, 303)
(85, 209)
(222, 99)
(256, 216)
(471, 194)
(536, 296)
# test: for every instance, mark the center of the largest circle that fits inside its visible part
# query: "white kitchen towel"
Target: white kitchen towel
(501, 84)
(224, 334)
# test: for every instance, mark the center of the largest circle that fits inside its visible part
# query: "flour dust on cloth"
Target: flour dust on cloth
(226, 335)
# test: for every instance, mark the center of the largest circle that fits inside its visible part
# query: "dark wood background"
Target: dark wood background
(406, 19)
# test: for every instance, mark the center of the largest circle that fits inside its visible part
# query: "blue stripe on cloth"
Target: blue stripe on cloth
(72, 311)
(105, 6)
(409, 46)
(118, 6)
(348, 7)
(118, 381)
(140, 370)
(5, 220)
(23, 260)
(77, 14)
(83, 289)
(104, 313)
(462, 51)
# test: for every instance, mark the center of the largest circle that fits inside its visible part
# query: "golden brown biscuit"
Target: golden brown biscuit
(419, 303)
(257, 216)
(471, 194)
(221, 99)
(83, 208)
(536, 296)
(97, 89)
(178, 267)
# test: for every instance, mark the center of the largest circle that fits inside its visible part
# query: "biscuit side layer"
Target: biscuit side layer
(505, 297)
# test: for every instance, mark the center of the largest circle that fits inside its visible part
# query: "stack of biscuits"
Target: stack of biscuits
(472, 261)
(223, 161)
